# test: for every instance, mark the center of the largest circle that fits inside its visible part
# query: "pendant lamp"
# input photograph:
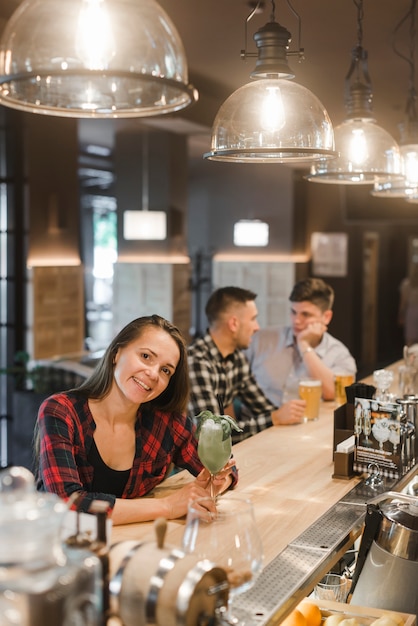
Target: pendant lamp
(144, 224)
(271, 119)
(93, 58)
(367, 152)
(408, 145)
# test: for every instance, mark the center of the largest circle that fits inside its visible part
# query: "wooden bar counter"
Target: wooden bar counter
(306, 518)
(287, 473)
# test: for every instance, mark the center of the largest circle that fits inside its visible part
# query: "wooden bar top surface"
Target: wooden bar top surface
(286, 471)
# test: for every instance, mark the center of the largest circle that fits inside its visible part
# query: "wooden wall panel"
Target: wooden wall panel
(57, 303)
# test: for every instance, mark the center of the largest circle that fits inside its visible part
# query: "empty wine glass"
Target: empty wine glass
(229, 538)
(383, 380)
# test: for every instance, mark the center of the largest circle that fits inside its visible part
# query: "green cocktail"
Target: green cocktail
(214, 451)
(214, 441)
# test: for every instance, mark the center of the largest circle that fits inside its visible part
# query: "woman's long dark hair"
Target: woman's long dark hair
(174, 398)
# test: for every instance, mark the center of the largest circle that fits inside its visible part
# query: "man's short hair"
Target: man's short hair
(313, 290)
(222, 298)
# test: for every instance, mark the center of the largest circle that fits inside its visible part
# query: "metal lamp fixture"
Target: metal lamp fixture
(272, 119)
(367, 152)
(93, 58)
(407, 187)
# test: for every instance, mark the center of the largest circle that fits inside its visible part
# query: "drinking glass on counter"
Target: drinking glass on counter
(310, 390)
(383, 379)
(407, 380)
(214, 448)
(215, 441)
(333, 587)
(230, 539)
(341, 381)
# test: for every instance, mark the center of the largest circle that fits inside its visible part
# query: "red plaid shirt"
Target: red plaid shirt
(66, 429)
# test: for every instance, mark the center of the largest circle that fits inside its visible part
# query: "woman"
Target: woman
(116, 436)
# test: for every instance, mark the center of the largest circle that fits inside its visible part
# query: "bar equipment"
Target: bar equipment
(153, 583)
(42, 581)
(386, 573)
(83, 582)
(409, 416)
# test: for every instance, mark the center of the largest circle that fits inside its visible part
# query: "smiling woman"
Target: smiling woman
(118, 434)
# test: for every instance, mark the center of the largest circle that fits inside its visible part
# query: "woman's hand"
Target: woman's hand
(223, 479)
(178, 502)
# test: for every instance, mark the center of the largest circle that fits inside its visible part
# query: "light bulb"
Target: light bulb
(272, 116)
(410, 166)
(357, 150)
(94, 38)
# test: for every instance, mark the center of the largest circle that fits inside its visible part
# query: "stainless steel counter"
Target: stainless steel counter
(292, 575)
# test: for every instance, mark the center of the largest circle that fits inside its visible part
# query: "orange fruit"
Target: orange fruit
(311, 611)
(295, 618)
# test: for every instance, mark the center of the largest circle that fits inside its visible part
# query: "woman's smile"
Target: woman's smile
(140, 383)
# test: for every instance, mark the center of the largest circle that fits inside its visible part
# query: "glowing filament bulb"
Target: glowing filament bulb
(358, 152)
(94, 38)
(410, 166)
(272, 116)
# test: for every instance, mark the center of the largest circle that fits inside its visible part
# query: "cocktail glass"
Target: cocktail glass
(383, 380)
(214, 448)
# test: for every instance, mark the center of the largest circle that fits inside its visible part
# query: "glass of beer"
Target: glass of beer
(310, 390)
(341, 381)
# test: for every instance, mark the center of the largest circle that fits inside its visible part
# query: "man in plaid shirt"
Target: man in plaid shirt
(219, 369)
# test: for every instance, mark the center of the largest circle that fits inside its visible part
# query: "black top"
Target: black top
(106, 479)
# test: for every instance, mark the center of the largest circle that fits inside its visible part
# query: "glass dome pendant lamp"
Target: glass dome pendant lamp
(407, 187)
(271, 119)
(367, 152)
(93, 58)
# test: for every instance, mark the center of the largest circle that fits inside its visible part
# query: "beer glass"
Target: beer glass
(341, 381)
(310, 390)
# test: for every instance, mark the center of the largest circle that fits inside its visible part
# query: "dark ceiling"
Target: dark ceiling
(213, 34)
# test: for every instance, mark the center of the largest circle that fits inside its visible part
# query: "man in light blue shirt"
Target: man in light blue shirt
(280, 356)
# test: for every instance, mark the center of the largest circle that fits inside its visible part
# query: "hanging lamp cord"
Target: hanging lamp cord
(359, 55)
(360, 17)
(410, 15)
(273, 11)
